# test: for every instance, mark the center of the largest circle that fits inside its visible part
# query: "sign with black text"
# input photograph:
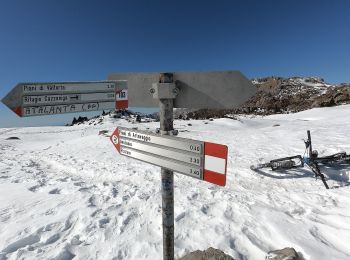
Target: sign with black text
(37, 99)
(201, 160)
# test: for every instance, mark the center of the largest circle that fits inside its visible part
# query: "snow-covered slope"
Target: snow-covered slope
(65, 192)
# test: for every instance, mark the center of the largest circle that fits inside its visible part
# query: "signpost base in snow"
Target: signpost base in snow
(167, 177)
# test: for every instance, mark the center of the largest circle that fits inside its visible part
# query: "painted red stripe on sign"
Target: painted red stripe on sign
(115, 139)
(216, 178)
(121, 104)
(18, 111)
(216, 150)
(215, 163)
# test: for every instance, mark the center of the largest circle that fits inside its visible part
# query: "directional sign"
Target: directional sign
(34, 99)
(222, 89)
(201, 160)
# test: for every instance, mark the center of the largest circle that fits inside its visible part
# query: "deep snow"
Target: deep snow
(65, 191)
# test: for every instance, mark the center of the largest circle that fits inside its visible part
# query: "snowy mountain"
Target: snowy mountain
(285, 95)
(281, 95)
(65, 192)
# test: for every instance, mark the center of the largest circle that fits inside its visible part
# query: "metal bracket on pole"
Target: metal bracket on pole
(166, 91)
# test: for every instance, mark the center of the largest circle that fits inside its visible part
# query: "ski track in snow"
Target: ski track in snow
(66, 193)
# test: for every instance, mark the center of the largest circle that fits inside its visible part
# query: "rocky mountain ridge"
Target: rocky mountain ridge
(282, 95)
(294, 94)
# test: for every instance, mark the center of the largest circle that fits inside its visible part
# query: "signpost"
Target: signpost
(37, 99)
(201, 160)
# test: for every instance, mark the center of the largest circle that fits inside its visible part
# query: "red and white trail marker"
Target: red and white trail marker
(121, 99)
(215, 163)
(201, 160)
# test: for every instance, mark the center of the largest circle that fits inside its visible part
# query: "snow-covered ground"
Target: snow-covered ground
(65, 192)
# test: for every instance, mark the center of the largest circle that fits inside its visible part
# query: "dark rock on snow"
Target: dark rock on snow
(209, 254)
(281, 95)
(287, 253)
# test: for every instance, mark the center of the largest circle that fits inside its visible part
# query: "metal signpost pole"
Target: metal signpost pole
(167, 176)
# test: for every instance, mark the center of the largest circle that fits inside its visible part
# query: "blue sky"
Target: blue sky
(65, 40)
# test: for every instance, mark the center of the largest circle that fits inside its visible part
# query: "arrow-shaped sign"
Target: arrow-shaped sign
(34, 99)
(216, 89)
(201, 160)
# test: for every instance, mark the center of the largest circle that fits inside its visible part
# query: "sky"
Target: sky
(65, 40)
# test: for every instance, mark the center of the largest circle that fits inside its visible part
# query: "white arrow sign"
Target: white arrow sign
(35, 99)
(201, 160)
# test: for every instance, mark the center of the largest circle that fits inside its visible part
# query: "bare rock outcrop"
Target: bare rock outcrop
(282, 95)
(209, 254)
(287, 253)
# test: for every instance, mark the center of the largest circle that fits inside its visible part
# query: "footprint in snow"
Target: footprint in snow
(126, 197)
(80, 183)
(52, 239)
(76, 240)
(92, 201)
(127, 221)
(65, 255)
(65, 179)
(55, 191)
(205, 209)
(32, 241)
(114, 192)
(103, 222)
(23, 242)
(34, 188)
(50, 212)
(193, 196)
(47, 148)
(95, 213)
(84, 189)
(180, 216)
